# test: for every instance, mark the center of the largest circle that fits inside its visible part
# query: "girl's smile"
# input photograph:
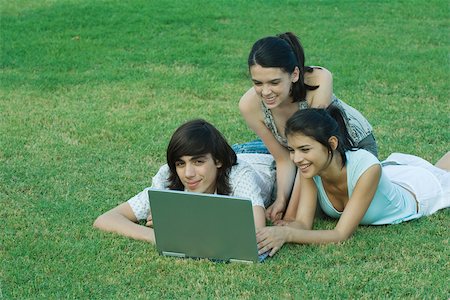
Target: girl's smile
(310, 156)
(273, 85)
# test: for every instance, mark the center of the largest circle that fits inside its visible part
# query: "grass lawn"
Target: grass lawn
(92, 90)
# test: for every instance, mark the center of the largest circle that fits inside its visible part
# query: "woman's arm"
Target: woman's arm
(272, 238)
(122, 220)
(352, 215)
(285, 175)
(320, 97)
(291, 210)
(301, 231)
(250, 108)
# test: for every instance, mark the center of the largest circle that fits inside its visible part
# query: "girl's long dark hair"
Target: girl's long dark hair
(286, 52)
(198, 137)
(321, 124)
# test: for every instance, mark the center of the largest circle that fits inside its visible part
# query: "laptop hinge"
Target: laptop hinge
(176, 254)
(234, 260)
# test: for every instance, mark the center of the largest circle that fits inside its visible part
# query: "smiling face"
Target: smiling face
(272, 84)
(310, 156)
(198, 173)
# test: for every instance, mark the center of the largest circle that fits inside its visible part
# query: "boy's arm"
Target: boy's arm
(122, 220)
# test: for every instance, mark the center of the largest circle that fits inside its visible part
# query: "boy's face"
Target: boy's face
(198, 173)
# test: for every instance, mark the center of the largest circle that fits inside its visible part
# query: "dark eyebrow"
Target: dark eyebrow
(195, 157)
(303, 146)
(273, 80)
(299, 147)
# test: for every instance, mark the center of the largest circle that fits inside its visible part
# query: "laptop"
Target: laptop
(194, 225)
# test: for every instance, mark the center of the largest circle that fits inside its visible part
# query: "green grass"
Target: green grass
(92, 90)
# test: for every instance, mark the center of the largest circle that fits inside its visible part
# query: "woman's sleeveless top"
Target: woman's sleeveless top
(357, 126)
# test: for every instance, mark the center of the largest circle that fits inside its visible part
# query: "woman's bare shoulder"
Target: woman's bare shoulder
(317, 76)
(249, 101)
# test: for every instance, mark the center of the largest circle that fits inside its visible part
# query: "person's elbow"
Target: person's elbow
(341, 236)
(100, 222)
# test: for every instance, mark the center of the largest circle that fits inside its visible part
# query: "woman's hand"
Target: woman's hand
(271, 239)
(275, 211)
(283, 222)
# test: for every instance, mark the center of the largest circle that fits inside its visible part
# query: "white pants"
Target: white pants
(430, 185)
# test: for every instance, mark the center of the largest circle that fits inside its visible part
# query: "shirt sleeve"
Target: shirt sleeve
(247, 184)
(140, 204)
(160, 180)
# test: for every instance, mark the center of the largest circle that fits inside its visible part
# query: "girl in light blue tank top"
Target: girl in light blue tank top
(351, 184)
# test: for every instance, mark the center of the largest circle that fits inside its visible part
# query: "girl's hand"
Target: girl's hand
(271, 239)
(275, 211)
(283, 222)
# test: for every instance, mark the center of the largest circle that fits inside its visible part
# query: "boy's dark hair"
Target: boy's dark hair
(198, 137)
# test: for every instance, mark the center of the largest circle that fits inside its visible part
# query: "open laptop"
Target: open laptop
(211, 226)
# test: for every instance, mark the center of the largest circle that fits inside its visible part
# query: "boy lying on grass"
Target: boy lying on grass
(200, 160)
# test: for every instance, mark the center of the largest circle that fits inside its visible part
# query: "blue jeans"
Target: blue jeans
(255, 146)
